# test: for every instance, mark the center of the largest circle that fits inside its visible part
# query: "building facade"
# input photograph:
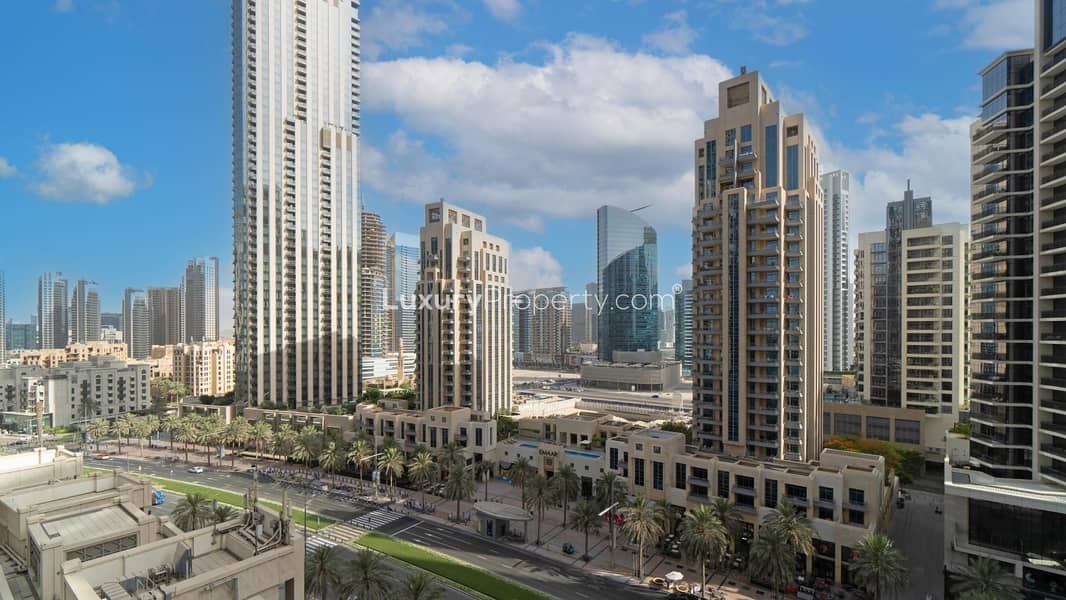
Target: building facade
(683, 325)
(401, 264)
(21, 336)
(837, 332)
(199, 300)
(757, 279)
(205, 368)
(167, 314)
(627, 269)
(374, 316)
(136, 323)
(53, 323)
(464, 322)
(296, 215)
(84, 313)
(53, 357)
(542, 326)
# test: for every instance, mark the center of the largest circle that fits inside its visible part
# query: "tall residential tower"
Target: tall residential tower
(84, 313)
(757, 278)
(296, 216)
(373, 287)
(837, 323)
(199, 300)
(53, 324)
(401, 264)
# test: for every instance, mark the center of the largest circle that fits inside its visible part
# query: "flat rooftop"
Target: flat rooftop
(89, 525)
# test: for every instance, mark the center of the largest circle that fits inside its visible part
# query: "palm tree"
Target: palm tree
(119, 429)
(89, 406)
(520, 474)
(237, 434)
(170, 424)
(610, 489)
(772, 559)
(794, 526)
(322, 570)
(729, 516)
(260, 435)
(586, 519)
(391, 463)
(369, 576)
(452, 457)
(424, 471)
(566, 485)
(192, 512)
(212, 433)
(360, 455)
(644, 522)
(982, 579)
(332, 458)
(877, 565)
(459, 486)
(541, 496)
(222, 513)
(97, 430)
(284, 441)
(705, 538)
(305, 446)
(484, 470)
(187, 433)
(421, 586)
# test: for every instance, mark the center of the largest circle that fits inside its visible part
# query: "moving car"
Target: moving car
(196, 469)
(104, 457)
(158, 498)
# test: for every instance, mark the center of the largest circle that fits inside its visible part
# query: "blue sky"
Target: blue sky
(115, 139)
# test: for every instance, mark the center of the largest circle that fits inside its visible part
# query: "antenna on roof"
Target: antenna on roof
(641, 208)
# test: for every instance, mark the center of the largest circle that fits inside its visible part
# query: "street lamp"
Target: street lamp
(610, 525)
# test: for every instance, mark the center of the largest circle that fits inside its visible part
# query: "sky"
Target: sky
(115, 145)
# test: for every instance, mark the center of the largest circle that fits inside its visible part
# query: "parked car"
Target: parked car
(103, 457)
(158, 498)
(196, 469)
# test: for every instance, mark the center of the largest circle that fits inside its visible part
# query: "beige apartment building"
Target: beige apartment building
(78, 352)
(464, 316)
(933, 332)
(205, 368)
(757, 251)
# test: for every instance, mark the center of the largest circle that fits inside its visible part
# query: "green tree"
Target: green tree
(391, 463)
(984, 579)
(369, 576)
(540, 496)
(704, 538)
(452, 457)
(122, 427)
(222, 513)
(260, 435)
(360, 455)
(644, 523)
(566, 485)
(678, 427)
(484, 471)
(306, 447)
(586, 518)
(332, 458)
(421, 586)
(169, 424)
(878, 566)
(521, 472)
(322, 571)
(610, 489)
(237, 433)
(794, 526)
(459, 486)
(284, 441)
(505, 427)
(98, 430)
(423, 470)
(192, 512)
(772, 559)
(186, 433)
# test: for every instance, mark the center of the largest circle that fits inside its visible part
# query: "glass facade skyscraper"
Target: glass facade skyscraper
(627, 277)
(401, 265)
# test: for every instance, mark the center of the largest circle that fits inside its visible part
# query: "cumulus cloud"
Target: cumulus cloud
(83, 171)
(770, 27)
(590, 124)
(504, 10)
(6, 169)
(534, 268)
(674, 37)
(994, 24)
(684, 271)
(396, 25)
(63, 6)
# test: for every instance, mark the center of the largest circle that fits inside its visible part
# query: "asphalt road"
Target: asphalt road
(504, 560)
(918, 532)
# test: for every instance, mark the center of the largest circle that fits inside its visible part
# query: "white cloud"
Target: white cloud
(6, 169)
(225, 312)
(63, 6)
(458, 50)
(674, 36)
(994, 24)
(684, 271)
(774, 29)
(592, 124)
(83, 171)
(504, 10)
(534, 268)
(396, 25)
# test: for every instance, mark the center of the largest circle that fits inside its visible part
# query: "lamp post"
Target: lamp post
(610, 525)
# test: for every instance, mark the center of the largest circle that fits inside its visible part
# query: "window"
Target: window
(792, 131)
(478, 437)
(856, 497)
(792, 167)
(613, 458)
(770, 493)
(723, 484)
(680, 475)
(738, 95)
(825, 494)
(908, 432)
(847, 424)
(877, 428)
(657, 475)
(638, 471)
(745, 134)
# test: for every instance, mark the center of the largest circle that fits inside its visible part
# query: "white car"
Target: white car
(196, 469)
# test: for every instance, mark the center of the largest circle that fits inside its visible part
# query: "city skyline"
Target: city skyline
(875, 106)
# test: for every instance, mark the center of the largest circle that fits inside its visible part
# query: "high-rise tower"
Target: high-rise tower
(837, 331)
(373, 287)
(627, 268)
(53, 323)
(757, 278)
(84, 313)
(296, 215)
(199, 300)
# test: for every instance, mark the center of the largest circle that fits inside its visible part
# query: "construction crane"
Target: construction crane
(641, 208)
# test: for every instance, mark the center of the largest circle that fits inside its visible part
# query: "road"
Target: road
(503, 560)
(918, 532)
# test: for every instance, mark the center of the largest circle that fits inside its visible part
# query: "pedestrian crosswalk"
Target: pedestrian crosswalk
(351, 530)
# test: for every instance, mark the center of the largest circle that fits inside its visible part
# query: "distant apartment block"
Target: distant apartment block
(53, 357)
(374, 316)
(136, 323)
(402, 272)
(167, 315)
(757, 279)
(541, 324)
(21, 336)
(199, 300)
(683, 325)
(205, 368)
(53, 323)
(84, 312)
(837, 330)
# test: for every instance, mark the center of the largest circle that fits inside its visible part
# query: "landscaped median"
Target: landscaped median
(314, 522)
(463, 574)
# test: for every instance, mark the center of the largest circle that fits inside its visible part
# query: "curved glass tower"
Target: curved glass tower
(627, 276)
